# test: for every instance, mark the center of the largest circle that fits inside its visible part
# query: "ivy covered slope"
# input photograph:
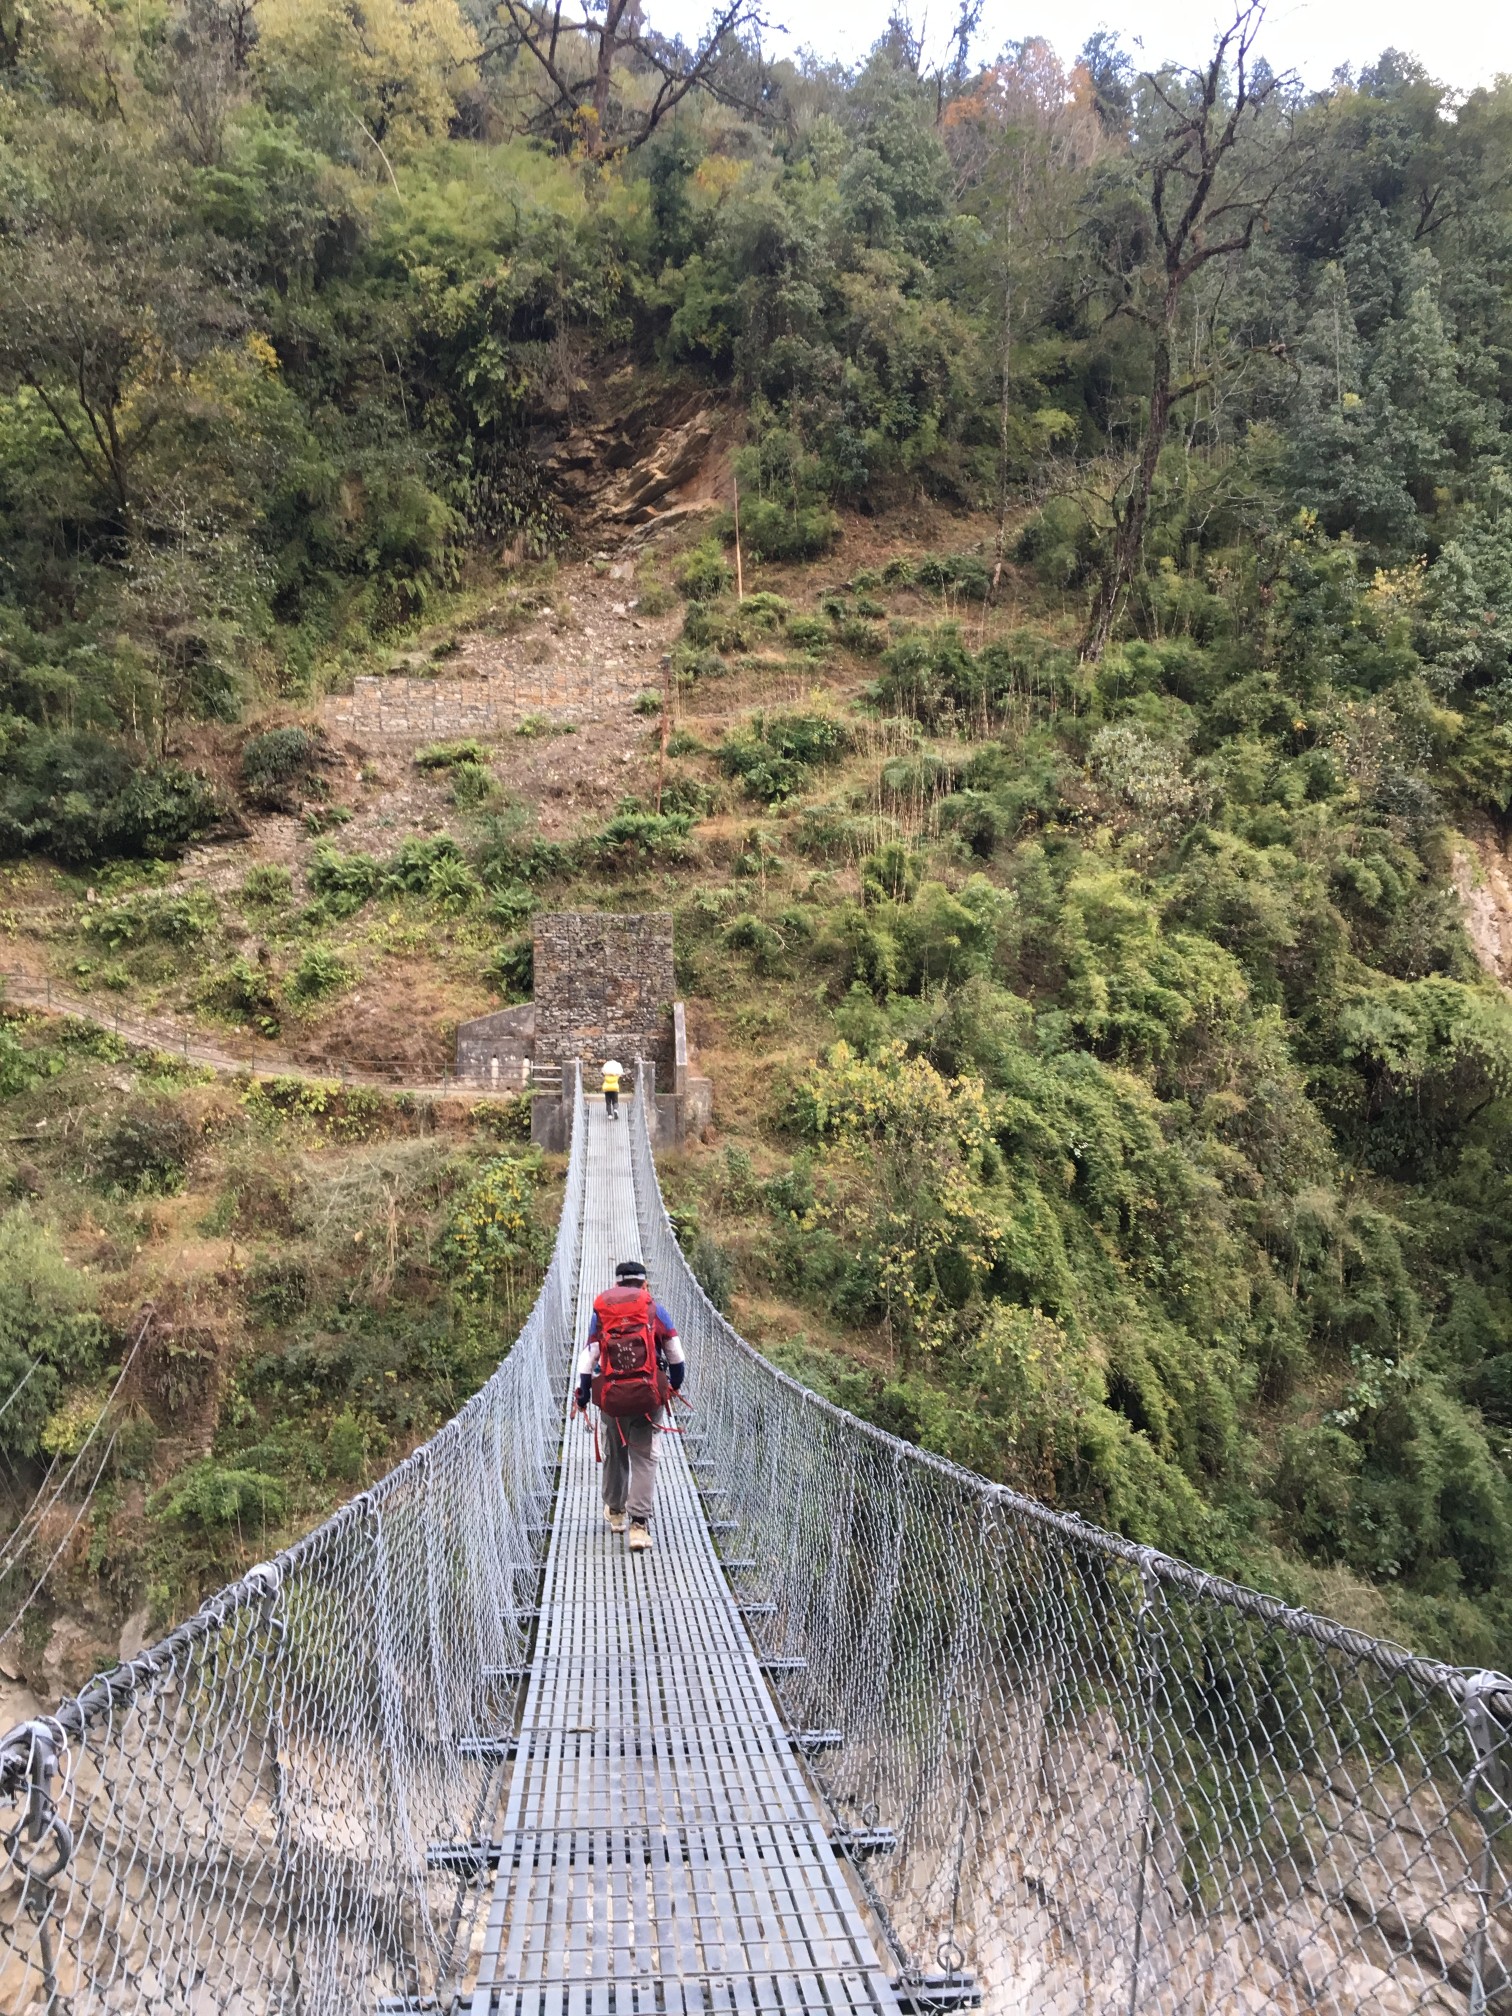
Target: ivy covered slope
(1085, 812)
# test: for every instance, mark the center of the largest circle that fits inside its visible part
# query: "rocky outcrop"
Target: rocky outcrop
(634, 469)
(1483, 881)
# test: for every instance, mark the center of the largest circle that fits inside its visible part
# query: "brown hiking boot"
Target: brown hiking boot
(616, 1520)
(640, 1536)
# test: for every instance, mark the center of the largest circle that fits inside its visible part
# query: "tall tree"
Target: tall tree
(1209, 171)
(1020, 143)
(576, 53)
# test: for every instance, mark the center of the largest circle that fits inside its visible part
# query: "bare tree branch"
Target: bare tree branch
(612, 34)
(1205, 202)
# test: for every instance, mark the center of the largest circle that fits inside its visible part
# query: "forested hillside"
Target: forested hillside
(1072, 807)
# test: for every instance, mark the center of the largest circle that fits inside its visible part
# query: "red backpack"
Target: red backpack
(629, 1379)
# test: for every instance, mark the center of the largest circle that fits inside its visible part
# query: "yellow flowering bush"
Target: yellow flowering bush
(912, 1154)
(493, 1244)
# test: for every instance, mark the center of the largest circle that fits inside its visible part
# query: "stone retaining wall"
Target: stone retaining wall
(439, 710)
(603, 987)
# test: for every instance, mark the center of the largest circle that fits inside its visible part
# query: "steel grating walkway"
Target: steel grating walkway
(658, 1847)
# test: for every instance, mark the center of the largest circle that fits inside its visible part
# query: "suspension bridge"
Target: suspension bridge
(863, 1732)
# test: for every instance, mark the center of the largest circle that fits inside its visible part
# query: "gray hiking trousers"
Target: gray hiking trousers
(629, 1450)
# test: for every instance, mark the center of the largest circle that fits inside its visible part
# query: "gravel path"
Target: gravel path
(174, 1039)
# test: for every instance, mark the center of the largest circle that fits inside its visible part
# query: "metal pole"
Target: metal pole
(1485, 1789)
(1148, 1636)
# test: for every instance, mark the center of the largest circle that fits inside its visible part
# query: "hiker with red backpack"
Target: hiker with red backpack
(630, 1367)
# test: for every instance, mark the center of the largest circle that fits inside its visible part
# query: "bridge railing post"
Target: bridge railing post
(1488, 1796)
(1147, 1639)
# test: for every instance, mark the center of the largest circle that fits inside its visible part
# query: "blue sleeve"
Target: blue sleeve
(664, 1321)
(593, 1328)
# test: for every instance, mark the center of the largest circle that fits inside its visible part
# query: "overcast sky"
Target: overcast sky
(1462, 42)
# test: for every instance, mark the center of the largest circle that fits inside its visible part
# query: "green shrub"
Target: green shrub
(862, 639)
(504, 857)
(733, 626)
(410, 869)
(980, 820)
(49, 1332)
(891, 875)
(705, 574)
(713, 1270)
(447, 755)
(18, 1068)
(273, 763)
(764, 610)
(690, 795)
(146, 1152)
(211, 1495)
(320, 973)
(493, 1244)
(772, 757)
(279, 1287)
(749, 933)
(1060, 543)
(1314, 1485)
(655, 599)
(773, 531)
(634, 837)
(84, 797)
(266, 886)
(472, 785)
(689, 665)
(531, 726)
(715, 627)
(965, 574)
(809, 633)
(180, 918)
(435, 868)
(931, 675)
(648, 702)
(512, 968)
(344, 882)
(245, 991)
(921, 776)
(831, 832)
(512, 904)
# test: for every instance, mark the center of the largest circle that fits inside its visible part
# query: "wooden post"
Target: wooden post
(666, 726)
(739, 574)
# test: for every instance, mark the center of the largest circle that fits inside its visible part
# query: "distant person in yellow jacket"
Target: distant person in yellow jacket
(613, 1072)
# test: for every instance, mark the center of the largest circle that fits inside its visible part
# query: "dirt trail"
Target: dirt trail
(174, 1039)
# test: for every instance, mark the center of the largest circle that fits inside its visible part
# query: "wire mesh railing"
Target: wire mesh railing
(1111, 1784)
(1099, 1781)
(236, 1822)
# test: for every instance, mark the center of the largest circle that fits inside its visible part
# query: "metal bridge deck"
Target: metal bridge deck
(658, 1847)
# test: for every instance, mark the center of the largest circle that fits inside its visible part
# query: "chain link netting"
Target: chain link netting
(236, 1823)
(1100, 1781)
(1115, 1784)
